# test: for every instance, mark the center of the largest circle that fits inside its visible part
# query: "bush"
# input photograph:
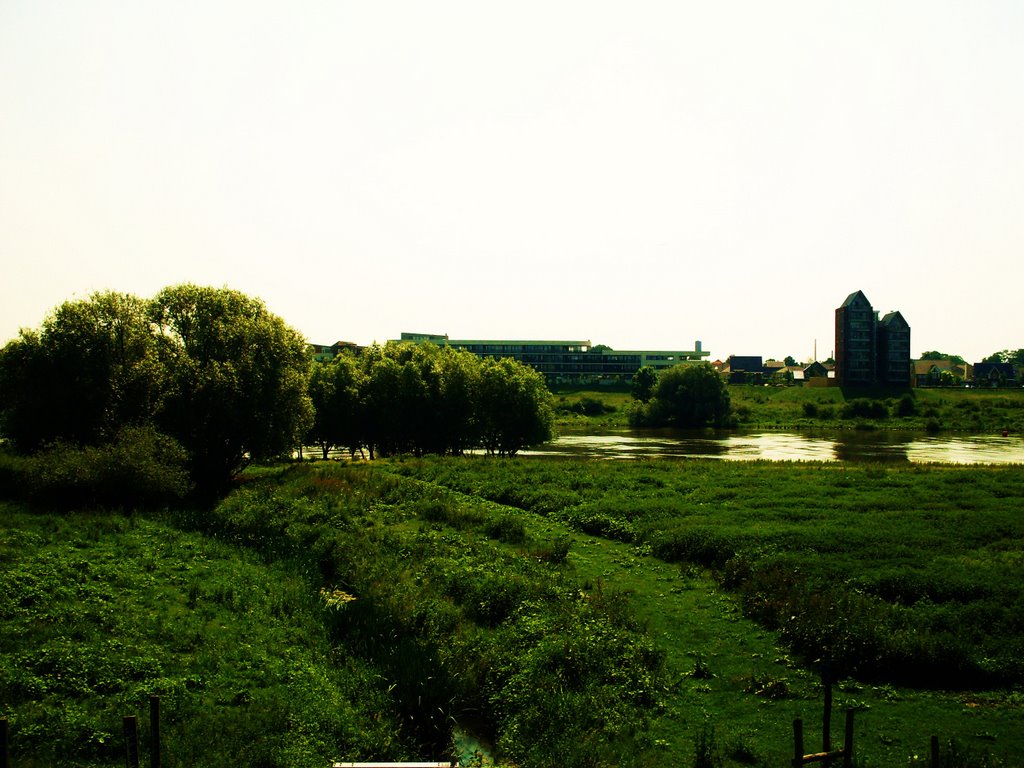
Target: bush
(863, 408)
(506, 529)
(906, 406)
(139, 467)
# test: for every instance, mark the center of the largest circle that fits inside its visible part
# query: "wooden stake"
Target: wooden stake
(154, 732)
(131, 741)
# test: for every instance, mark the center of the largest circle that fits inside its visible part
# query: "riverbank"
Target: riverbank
(977, 411)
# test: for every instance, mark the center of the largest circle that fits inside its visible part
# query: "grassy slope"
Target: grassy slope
(111, 608)
(843, 524)
(101, 610)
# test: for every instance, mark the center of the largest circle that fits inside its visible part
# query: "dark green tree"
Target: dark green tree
(334, 390)
(690, 396)
(790, 360)
(91, 369)
(643, 383)
(458, 408)
(239, 379)
(514, 407)
(1014, 356)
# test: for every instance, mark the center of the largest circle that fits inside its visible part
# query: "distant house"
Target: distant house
(994, 375)
(745, 369)
(937, 373)
(323, 353)
(815, 370)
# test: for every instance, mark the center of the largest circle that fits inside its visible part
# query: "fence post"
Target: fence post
(848, 740)
(935, 752)
(154, 732)
(131, 741)
(798, 743)
(827, 676)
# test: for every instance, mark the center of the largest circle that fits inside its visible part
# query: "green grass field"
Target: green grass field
(578, 613)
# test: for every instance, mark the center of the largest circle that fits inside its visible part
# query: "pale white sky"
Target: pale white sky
(639, 174)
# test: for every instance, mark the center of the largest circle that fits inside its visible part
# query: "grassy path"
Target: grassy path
(730, 675)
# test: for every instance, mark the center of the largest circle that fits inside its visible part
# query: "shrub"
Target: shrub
(139, 467)
(700, 544)
(906, 406)
(507, 529)
(863, 408)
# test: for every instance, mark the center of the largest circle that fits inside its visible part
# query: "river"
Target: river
(738, 445)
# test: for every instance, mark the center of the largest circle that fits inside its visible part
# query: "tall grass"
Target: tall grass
(907, 575)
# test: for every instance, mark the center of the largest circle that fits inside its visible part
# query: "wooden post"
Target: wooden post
(154, 732)
(826, 714)
(826, 719)
(798, 743)
(935, 752)
(848, 740)
(5, 754)
(131, 741)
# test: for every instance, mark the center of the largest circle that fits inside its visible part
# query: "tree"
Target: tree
(790, 360)
(238, 379)
(643, 383)
(514, 407)
(690, 396)
(334, 391)
(1014, 356)
(91, 369)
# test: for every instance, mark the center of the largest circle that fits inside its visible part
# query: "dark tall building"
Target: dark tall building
(869, 350)
(855, 341)
(893, 346)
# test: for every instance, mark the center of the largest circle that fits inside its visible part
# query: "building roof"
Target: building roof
(892, 317)
(853, 297)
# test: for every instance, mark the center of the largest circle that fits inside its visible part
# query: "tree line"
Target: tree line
(208, 379)
(411, 398)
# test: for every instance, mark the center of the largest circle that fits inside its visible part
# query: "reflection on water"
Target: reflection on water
(789, 446)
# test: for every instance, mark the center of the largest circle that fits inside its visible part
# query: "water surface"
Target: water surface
(852, 445)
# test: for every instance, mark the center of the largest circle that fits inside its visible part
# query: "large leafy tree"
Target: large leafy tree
(1014, 356)
(690, 396)
(514, 407)
(90, 370)
(334, 389)
(643, 383)
(238, 379)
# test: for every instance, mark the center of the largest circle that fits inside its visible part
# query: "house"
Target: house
(815, 370)
(323, 353)
(993, 375)
(937, 373)
(745, 369)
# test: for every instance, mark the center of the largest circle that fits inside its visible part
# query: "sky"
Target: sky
(641, 175)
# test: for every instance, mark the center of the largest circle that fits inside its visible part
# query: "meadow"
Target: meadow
(805, 408)
(577, 613)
